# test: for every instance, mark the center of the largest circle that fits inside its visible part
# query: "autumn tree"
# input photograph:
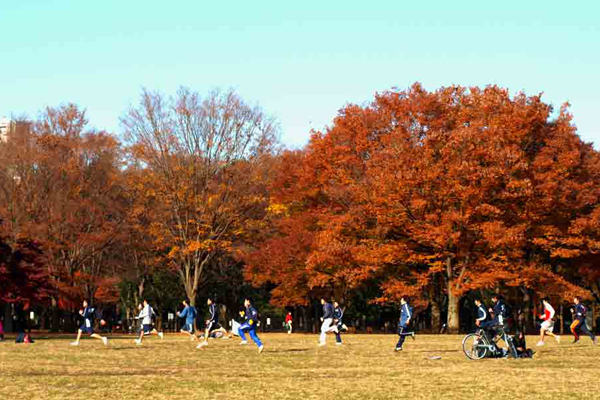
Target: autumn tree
(63, 189)
(423, 193)
(198, 155)
(23, 277)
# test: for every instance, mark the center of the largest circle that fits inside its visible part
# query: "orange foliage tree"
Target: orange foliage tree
(453, 190)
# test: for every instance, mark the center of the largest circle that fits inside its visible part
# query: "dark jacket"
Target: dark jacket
(327, 310)
(580, 312)
(338, 313)
(251, 316)
(214, 315)
(500, 311)
(482, 314)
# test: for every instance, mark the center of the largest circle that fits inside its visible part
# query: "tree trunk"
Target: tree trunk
(190, 293)
(453, 322)
(527, 310)
(55, 315)
(8, 318)
(562, 325)
(141, 289)
(436, 317)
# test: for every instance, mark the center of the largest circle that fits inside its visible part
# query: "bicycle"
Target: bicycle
(478, 345)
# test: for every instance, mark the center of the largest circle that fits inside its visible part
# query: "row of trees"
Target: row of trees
(427, 194)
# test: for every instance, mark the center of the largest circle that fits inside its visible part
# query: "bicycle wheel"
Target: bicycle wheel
(474, 346)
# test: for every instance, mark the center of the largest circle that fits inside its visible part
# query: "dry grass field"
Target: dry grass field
(291, 367)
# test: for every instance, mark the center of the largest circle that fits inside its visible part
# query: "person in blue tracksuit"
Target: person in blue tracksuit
(189, 313)
(338, 314)
(249, 325)
(406, 315)
(87, 313)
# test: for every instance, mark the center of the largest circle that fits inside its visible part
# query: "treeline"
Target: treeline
(436, 195)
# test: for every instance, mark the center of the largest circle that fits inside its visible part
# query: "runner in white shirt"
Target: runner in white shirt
(147, 328)
(548, 324)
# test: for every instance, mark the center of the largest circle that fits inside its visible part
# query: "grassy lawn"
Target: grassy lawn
(291, 367)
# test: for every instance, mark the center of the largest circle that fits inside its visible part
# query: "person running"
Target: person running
(212, 323)
(327, 321)
(547, 327)
(189, 313)
(288, 322)
(249, 325)
(338, 314)
(406, 313)
(146, 317)
(87, 313)
(579, 312)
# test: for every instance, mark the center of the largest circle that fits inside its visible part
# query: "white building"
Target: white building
(4, 125)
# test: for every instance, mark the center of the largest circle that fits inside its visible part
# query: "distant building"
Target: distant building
(4, 125)
(8, 127)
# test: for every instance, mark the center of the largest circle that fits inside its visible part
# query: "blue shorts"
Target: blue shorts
(188, 328)
(147, 328)
(86, 329)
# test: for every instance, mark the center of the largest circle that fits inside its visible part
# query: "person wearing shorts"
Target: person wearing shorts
(147, 328)
(87, 327)
(189, 313)
(547, 327)
(288, 322)
(212, 323)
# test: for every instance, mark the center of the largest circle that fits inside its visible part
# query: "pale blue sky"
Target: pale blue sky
(301, 61)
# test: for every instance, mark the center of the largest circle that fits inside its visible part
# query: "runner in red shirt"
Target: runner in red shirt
(548, 324)
(288, 322)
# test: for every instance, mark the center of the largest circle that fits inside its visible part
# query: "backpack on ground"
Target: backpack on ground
(24, 338)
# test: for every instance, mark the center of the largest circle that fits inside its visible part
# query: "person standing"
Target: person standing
(547, 327)
(326, 321)
(579, 312)
(146, 317)
(189, 313)
(249, 325)
(87, 313)
(406, 313)
(338, 314)
(288, 323)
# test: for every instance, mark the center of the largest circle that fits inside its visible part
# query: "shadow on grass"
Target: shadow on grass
(96, 373)
(287, 351)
